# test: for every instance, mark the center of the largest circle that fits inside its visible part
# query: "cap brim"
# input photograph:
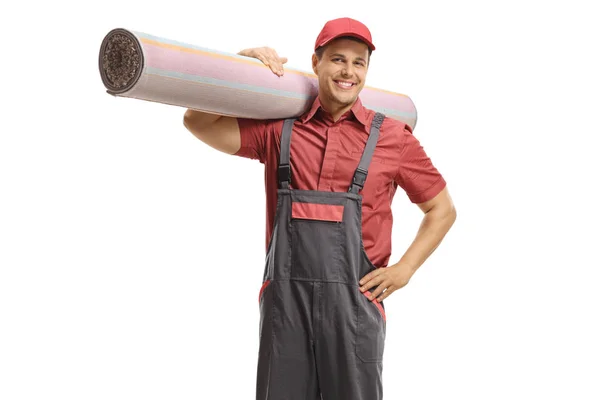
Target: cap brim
(362, 38)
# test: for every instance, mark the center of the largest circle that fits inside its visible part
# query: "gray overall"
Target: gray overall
(320, 337)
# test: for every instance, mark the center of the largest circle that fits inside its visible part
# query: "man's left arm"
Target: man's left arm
(439, 217)
(426, 188)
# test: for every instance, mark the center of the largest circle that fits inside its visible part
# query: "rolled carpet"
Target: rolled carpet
(145, 67)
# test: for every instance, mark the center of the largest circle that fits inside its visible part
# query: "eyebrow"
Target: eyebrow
(343, 56)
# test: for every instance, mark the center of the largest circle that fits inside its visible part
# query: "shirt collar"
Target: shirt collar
(357, 110)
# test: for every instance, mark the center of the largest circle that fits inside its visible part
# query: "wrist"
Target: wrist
(406, 266)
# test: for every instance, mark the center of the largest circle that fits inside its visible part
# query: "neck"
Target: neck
(335, 109)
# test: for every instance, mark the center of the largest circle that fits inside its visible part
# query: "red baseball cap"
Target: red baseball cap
(344, 27)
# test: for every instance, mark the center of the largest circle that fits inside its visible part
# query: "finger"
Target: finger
(275, 60)
(272, 64)
(282, 60)
(375, 293)
(277, 67)
(385, 294)
(368, 284)
(377, 280)
(369, 276)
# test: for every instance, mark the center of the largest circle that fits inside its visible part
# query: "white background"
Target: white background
(131, 254)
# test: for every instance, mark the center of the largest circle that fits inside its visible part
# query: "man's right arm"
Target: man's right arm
(219, 132)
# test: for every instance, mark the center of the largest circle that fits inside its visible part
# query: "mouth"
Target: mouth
(344, 84)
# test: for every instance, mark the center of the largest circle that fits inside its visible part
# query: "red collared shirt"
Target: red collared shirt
(324, 155)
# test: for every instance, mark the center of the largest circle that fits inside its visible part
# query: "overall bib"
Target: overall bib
(320, 337)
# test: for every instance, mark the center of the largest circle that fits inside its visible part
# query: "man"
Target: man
(330, 178)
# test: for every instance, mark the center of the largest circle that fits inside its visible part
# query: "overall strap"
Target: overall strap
(284, 173)
(360, 175)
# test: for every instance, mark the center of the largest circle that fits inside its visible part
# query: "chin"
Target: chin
(345, 100)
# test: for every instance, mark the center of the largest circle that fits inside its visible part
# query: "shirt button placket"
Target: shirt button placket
(331, 151)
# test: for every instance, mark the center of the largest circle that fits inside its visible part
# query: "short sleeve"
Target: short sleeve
(416, 173)
(253, 136)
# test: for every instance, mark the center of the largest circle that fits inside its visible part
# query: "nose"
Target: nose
(348, 70)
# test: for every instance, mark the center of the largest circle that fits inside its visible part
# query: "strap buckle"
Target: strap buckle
(283, 173)
(360, 177)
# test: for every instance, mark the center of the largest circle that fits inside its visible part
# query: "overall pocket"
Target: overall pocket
(316, 231)
(370, 330)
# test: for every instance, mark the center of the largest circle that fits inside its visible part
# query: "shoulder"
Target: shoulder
(389, 124)
(391, 128)
(395, 127)
(396, 136)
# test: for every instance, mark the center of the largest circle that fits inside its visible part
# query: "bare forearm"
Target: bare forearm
(437, 221)
(440, 215)
(434, 227)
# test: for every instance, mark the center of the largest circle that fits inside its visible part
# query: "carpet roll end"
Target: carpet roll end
(121, 61)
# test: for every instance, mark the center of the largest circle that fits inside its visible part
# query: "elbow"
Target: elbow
(193, 123)
(446, 212)
(188, 119)
(198, 122)
(452, 215)
(449, 209)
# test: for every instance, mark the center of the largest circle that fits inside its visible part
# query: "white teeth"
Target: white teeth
(346, 84)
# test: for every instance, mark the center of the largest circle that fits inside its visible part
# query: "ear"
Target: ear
(315, 61)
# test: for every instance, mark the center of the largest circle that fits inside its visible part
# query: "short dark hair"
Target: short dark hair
(320, 50)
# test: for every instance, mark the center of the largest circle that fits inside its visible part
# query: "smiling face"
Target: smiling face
(341, 70)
